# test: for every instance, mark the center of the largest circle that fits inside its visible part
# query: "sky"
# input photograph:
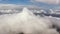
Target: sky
(15, 2)
(40, 3)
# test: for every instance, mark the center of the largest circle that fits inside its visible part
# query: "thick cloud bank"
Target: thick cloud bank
(25, 22)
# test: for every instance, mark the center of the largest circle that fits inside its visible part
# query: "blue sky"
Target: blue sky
(15, 2)
(27, 2)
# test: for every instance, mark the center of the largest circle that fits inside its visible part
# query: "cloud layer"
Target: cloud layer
(25, 22)
(14, 6)
(48, 1)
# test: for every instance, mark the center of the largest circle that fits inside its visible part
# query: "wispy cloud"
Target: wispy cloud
(48, 1)
(39, 3)
(30, 1)
(14, 6)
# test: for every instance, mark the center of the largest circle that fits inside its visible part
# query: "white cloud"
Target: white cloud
(25, 22)
(14, 6)
(48, 1)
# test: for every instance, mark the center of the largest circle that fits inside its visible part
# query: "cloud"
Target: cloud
(48, 1)
(14, 6)
(25, 22)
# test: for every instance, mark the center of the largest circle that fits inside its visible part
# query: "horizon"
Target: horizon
(31, 2)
